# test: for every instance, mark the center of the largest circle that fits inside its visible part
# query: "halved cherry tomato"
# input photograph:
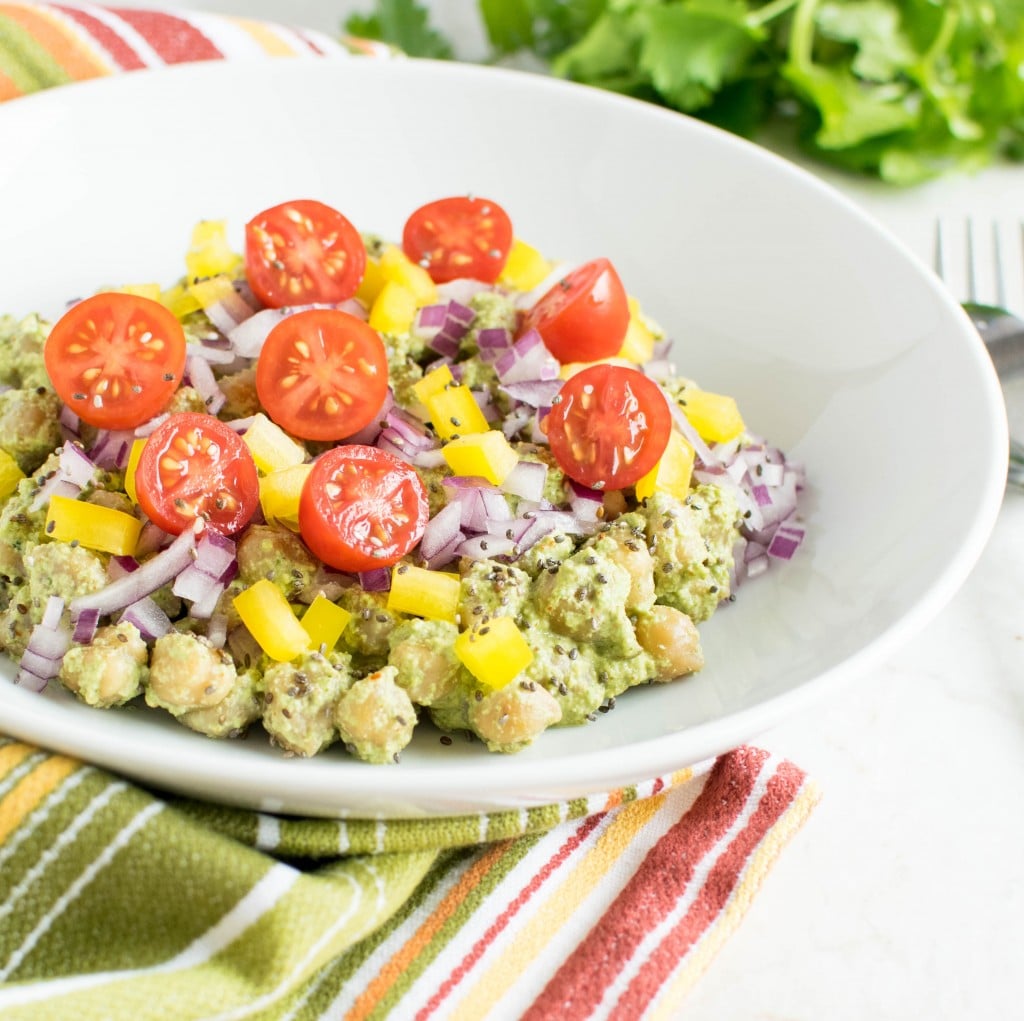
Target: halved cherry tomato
(361, 508)
(303, 252)
(609, 426)
(584, 317)
(459, 237)
(322, 374)
(115, 359)
(195, 466)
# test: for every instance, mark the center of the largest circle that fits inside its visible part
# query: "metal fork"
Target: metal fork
(1001, 330)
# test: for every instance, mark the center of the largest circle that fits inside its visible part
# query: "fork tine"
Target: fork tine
(997, 263)
(972, 262)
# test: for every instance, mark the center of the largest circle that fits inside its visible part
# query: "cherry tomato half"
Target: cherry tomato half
(115, 359)
(195, 466)
(609, 426)
(301, 253)
(361, 508)
(459, 237)
(322, 374)
(584, 317)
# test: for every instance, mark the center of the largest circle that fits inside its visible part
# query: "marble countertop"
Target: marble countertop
(903, 896)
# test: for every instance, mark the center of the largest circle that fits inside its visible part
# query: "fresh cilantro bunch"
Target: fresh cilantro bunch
(901, 89)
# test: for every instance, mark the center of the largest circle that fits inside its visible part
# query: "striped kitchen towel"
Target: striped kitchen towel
(44, 44)
(116, 903)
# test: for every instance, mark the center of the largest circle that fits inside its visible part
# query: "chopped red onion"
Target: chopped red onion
(227, 312)
(659, 369)
(210, 353)
(682, 423)
(70, 423)
(369, 433)
(145, 614)
(111, 448)
(538, 393)
(376, 580)
(217, 630)
(462, 290)
(786, 541)
(527, 360)
(487, 545)
(527, 480)
(441, 530)
(160, 569)
(150, 427)
(47, 643)
(85, 627)
(586, 503)
(493, 342)
(201, 378)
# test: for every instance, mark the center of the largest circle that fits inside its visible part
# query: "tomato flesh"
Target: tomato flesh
(322, 374)
(584, 317)
(115, 359)
(303, 252)
(609, 426)
(362, 508)
(459, 237)
(195, 466)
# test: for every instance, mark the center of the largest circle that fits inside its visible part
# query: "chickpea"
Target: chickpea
(299, 700)
(511, 717)
(426, 674)
(629, 552)
(108, 498)
(672, 640)
(231, 716)
(240, 390)
(375, 717)
(110, 669)
(264, 551)
(187, 672)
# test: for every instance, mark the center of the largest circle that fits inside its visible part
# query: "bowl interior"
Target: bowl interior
(838, 346)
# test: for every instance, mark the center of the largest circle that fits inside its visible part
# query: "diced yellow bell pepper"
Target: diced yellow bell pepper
(488, 455)
(672, 472)
(209, 253)
(280, 493)
(324, 622)
(454, 412)
(397, 267)
(432, 594)
(525, 267)
(211, 290)
(638, 345)
(715, 416)
(569, 369)
(10, 474)
(178, 299)
(151, 291)
(100, 528)
(270, 620)
(433, 383)
(133, 463)
(494, 653)
(373, 280)
(394, 309)
(271, 447)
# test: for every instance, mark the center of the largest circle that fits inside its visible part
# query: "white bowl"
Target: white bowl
(836, 343)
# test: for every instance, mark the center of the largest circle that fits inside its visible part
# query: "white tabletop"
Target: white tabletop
(903, 896)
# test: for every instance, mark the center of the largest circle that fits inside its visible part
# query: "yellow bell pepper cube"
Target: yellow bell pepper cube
(10, 474)
(397, 267)
(495, 653)
(178, 299)
(524, 268)
(209, 253)
(638, 345)
(211, 290)
(455, 412)
(151, 291)
(431, 594)
(433, 383)
(99, 528)
(130, 469)
(271, 447)
(715, 416)
(672, 473)
(324, 622)
(373, 280)
(394, 309)
(488, 455)
(280, 493)
(264, 610)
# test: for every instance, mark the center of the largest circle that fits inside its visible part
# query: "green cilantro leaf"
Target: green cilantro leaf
(403, 23)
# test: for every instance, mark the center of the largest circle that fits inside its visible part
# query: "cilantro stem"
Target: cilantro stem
(755, 19)
(801, 39)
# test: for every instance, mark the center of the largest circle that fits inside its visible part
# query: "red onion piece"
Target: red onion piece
(111, 448)
(85, 627)
(538, 393)
(486, 546)
(377, 580)
(201, 378)
(229, 311)
(148, 618)
(165, 566)
(444, 527)
(527, 360)
(526, 480)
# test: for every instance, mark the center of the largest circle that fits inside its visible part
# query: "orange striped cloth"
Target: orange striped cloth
(116, 903)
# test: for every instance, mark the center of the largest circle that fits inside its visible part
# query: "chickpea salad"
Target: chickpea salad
(333, 486)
